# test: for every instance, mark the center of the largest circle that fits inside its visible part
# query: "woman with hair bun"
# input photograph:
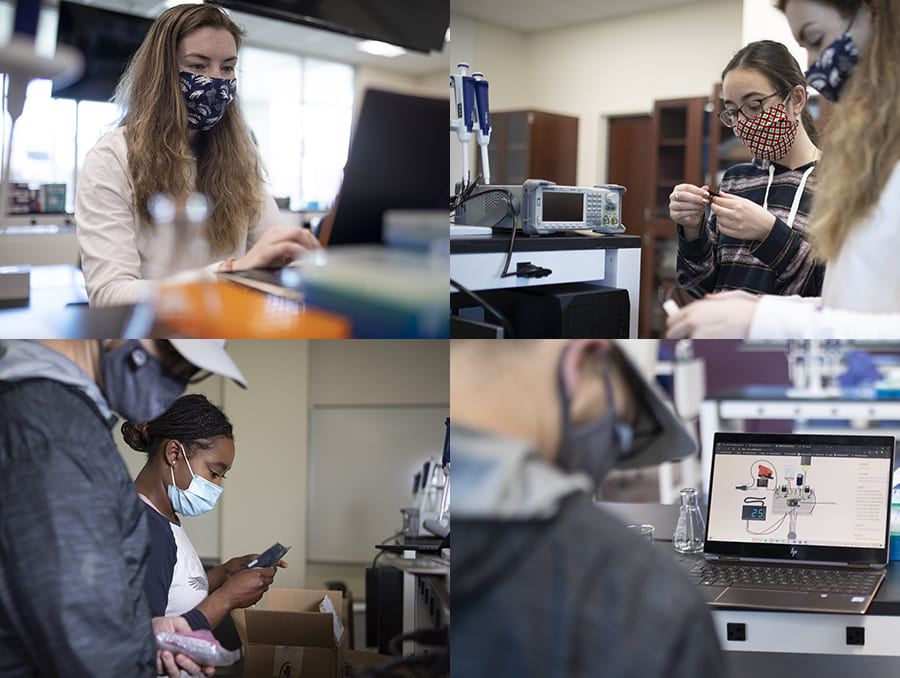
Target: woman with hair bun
(189, 450)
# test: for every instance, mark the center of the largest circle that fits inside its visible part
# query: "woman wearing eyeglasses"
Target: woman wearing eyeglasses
(852, 49)
(753, 237)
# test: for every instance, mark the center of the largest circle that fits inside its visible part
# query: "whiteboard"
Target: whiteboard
(362, 459)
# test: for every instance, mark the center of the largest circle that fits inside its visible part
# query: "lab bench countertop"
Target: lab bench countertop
(664, 516)
(498, 241)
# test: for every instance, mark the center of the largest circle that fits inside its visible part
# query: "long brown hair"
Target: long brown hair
(774, 61)
(156, 125)
(863, 142)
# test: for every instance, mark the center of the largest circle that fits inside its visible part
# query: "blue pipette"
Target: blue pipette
(464, 92)
(484, 124)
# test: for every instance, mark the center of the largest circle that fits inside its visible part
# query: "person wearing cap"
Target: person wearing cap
(545, 583)
(74, 539)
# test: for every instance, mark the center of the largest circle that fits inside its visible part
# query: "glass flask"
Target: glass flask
(690, 530)
(180, 241)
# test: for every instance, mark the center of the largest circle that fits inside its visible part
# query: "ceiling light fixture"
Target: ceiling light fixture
(379, 48)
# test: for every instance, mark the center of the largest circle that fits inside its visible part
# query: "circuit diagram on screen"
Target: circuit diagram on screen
(777, 495)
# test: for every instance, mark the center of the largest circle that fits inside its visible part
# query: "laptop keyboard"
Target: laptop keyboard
(786, 578)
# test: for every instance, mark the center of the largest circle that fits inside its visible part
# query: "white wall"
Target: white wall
(761, 21)
(264, 499)
(367, 76)
(616, 67)
(374, 372)
(629, 63)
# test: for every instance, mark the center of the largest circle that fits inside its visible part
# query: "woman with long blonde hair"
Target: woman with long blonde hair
(852, 46)
(182, 132)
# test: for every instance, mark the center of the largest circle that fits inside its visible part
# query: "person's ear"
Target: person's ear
(582, 369)
(172, 451)
(798, 99)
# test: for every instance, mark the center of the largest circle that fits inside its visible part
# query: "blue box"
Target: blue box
(54, 198)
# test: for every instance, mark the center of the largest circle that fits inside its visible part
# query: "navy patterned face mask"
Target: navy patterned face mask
(207, 98)
(834, 67)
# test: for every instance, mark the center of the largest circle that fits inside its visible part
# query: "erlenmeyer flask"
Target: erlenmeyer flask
(690, 530)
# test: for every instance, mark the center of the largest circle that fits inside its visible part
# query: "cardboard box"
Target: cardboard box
(291, 637)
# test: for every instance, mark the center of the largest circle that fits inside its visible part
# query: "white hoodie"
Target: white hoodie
(861, 293)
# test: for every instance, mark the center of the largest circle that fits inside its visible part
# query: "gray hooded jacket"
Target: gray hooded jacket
(547, 585)
(73, 533)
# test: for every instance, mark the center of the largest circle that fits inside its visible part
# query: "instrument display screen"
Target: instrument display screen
(563, 206)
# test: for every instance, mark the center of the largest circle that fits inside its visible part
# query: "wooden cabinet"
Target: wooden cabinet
(725, 149)
(532, 145)
(679, 134)
(677, 140)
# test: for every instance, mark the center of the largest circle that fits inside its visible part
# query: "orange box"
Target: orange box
(218, 309)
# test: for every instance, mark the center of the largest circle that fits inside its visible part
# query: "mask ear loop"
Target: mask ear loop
(564, 395)
(624, 432)
(172, 467)
(184, 452)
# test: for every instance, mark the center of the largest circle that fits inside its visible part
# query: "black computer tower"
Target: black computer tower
(567, 311)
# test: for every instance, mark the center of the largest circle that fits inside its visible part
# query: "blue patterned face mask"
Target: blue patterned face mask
(834, 67)
(207, 98)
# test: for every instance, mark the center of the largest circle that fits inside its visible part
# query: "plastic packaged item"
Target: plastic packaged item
(201, 646)
(690, 530)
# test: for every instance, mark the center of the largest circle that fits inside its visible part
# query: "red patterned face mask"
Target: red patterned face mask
(770, 134)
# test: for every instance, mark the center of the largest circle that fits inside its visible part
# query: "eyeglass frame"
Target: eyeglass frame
(733, 112)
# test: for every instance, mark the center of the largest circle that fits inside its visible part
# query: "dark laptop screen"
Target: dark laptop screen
(804, 495)
(399, 159)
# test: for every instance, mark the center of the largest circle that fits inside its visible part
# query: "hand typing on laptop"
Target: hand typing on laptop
(277, 247)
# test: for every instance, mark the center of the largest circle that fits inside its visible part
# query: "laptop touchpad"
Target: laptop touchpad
(761, 597)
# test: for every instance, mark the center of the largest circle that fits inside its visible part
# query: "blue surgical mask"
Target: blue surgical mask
(200, 496)
(593, 448)
(831, 71)
(136, 384)
(207, 98)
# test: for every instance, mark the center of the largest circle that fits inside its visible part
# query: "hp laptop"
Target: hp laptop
(797, 522)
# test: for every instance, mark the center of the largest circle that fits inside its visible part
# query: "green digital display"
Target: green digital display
(753, 513)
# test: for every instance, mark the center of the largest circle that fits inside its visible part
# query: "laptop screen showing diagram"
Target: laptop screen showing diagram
(804, 497)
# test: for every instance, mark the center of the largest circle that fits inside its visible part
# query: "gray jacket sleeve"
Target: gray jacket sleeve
(73, 541)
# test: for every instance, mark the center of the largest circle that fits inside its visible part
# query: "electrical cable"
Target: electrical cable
(507, 327)
(435, 663)
(385, 541)
(466, 193)
(523, 269)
